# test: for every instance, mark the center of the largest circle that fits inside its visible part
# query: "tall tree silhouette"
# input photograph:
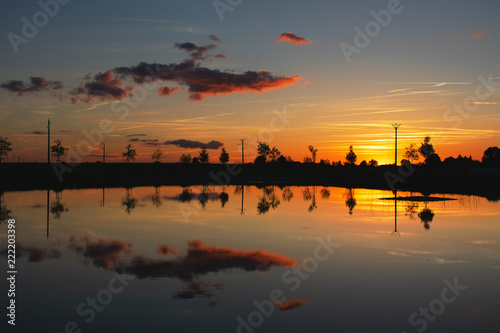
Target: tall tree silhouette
(313, 153)
(57, 207)
(129, 155)
(426, 216)
(426, 148)
(411, 153)
(4, 211)
(157, 155)
(224, 156)
(186, 195)
(350, 201)
(156, 198)
(268, 200)
(203, 197)
(287, 194)
(185, 158)
(57, 150)
(491, 157)
(5, 147)
(203, 155)
(224, 198)
(351, 156)
(128, 201)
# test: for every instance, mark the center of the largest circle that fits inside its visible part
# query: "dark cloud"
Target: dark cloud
(36, 84)
(214, 38)
(116, 255)
(140, 134)
(134, 140)
(196, 52)
(292, 39)
(151, 142)
(167, 91)
(182, 143)
(201, 259)
(103, 86)
(103, 253)
(164, 249)
(36, 254)
(292, 304)
(38, 132)
(200, 81)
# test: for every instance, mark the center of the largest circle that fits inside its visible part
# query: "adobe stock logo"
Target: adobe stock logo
(372, 29)
(420, 320)
(40, 19)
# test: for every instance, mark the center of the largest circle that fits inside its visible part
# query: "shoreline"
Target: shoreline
(482, 182)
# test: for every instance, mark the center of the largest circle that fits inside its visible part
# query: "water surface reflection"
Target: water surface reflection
(202, 256)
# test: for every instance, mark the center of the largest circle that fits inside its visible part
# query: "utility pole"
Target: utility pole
(242, 150)
(48, 141)
(103, 147)
(396, 126)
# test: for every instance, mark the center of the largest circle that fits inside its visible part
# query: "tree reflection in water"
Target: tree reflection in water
(155, 198)
(57, 207)
(350, 201)
(128, 201)
(268, 200)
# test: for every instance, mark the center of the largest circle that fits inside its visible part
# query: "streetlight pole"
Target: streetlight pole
(396, 126)
(242, 151)
(103, 147)
(48, 141)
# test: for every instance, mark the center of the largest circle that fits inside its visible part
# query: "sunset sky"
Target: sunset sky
(433, 67)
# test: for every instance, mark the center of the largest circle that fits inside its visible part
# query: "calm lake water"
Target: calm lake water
(250, 259)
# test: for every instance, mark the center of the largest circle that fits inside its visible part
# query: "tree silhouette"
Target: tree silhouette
(224, 198)
(157, 155)
(313, 153)
(411, 209)
(57, 207)
(224, 156)
(426, 215)
(186, 195)
(203, 198)
(5, 147)
(4, 211)
(426, 148)
(156, 198)
(274, 154)
(266, 153)
(203, 155)
(185, 158)
(372, 163)
(351, 156)
(307, 195)
(325, 193)
(57, 150)
(411, 153)
(433, 160)
(263, 149)
(287, 194)
(129, 155)
(128, 201)
(491, 157)
(268, 200)
(350, 201)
